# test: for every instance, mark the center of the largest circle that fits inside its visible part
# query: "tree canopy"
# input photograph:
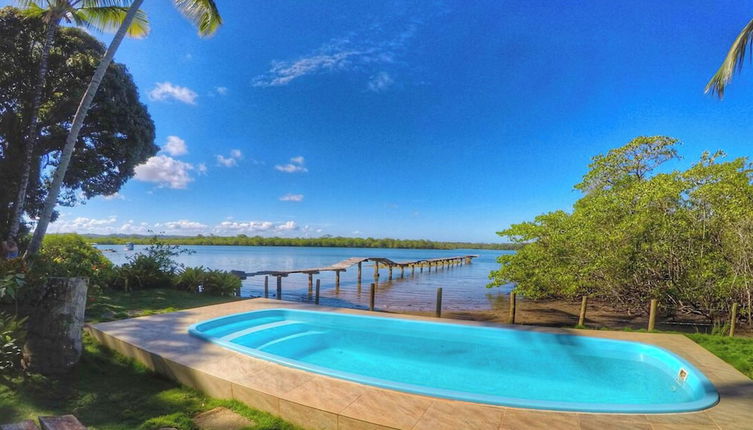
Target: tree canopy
(640, 232)
(118, 133)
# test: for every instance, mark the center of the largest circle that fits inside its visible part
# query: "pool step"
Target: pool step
(235, 335)
(289, 338)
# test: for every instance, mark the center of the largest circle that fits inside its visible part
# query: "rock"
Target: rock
(23, 425)
(221, 419)
(64, 422)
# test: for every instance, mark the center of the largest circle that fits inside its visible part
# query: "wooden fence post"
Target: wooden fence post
(582, 316)
(511, 317)
(438, 312)
(733, 320)
(372, 293)
(652, 315)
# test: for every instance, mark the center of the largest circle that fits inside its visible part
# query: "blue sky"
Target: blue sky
(445, 120)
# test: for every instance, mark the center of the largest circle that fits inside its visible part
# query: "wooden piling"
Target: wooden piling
(372, 294)
(511, 317)
(376, 270)
(316, 297)
(266, 287)
(337, 281)
(402, 272)
(279, 288)
(390, 270)
(438, 312)
(359, 272)
(412, 269)
(582, 316)
(311, 282)
(733, 320)
(652, 315)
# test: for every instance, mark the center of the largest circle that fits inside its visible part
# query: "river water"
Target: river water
(464, 287)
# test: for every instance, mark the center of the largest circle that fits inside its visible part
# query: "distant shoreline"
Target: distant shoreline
(314, 242)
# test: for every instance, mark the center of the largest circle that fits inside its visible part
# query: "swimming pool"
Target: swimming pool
(501, 366)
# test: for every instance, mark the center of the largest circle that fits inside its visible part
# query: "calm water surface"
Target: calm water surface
(464, 287)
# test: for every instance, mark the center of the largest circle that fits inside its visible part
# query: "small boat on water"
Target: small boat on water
(129, 246)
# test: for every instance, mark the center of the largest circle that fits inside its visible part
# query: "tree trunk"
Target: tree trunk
(78, 122)
(53, 342)
(32, 134)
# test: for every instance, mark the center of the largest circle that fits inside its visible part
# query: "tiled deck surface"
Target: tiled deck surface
(320, 402)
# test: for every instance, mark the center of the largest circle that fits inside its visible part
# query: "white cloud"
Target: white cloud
(254, 227)
(84, 224)
(292, 198)
(201, 168)
(114, 196)
(175, 146)
(295, 165)
(221, 90)
(226, 161)
(165, 91)
(165, 171)
(380, 82)
(230, 161)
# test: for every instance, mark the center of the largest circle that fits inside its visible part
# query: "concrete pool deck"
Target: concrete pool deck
(316, 401)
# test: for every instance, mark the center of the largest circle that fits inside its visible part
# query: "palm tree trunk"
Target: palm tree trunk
(78, 122)
(31, 136)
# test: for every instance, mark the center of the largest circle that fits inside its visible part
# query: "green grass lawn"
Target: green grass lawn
(115, 305)
(107, 391)
(737, 351)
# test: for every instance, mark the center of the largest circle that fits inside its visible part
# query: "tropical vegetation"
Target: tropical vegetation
(203, 13)
(324, 241)
(641, 231)
(733, 61)
(118, 133)
(97, 14)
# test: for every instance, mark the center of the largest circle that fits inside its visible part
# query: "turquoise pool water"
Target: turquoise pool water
(511, 367)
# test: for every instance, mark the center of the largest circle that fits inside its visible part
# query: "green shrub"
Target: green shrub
(12, 338)
(154, 268)
(70, 255)
(191, 278)
(220, 283)
(213, 282)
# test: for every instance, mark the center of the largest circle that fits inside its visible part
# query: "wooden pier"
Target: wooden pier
(379, 262)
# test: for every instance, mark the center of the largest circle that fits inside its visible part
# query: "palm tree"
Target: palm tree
(732, 63)
(101, 15)
(202, 13)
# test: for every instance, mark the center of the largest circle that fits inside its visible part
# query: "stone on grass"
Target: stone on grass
(64, 422)
(23, 425)
(221, 419)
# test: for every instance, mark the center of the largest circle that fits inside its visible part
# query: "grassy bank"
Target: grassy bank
(113, 305)
(107, 391)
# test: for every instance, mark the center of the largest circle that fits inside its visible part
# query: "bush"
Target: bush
(70, 255)
(12, 338)
(202, 280)
(154, 268)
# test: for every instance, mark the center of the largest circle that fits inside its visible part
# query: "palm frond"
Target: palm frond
(202, 13)
(732, 63)
(109, 18)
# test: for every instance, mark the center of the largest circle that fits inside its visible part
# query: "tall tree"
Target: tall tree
(732, 63)
(118, 133)
(101, 15)
(203, 13)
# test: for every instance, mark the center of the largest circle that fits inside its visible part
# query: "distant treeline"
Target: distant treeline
(339, 242)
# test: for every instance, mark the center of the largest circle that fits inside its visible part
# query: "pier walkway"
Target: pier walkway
(342, 266)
